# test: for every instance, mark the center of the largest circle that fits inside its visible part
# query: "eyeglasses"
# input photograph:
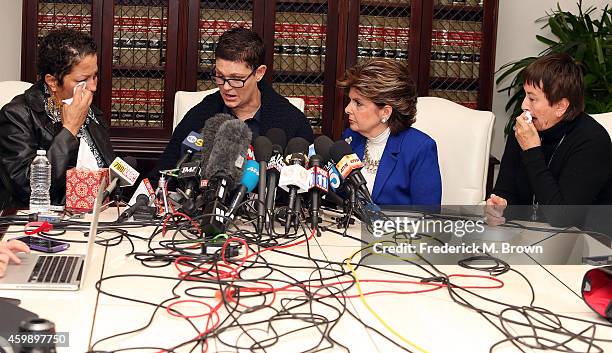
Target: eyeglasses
(233, 82)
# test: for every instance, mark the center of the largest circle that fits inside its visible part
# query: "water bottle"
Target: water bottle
(40, 182)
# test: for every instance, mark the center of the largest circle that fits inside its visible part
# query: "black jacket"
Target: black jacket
(24, 128)
(573, 166)
(275, 112)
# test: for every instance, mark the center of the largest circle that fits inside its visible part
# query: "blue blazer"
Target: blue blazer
(408, 172)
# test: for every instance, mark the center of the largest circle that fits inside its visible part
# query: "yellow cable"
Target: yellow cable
(363, 300)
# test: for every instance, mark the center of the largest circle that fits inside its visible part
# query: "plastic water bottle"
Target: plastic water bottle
(40, 182)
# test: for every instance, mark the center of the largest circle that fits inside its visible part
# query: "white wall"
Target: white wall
(10, 40)
(516, 31)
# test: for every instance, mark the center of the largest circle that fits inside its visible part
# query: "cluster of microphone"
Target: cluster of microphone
(221, 165)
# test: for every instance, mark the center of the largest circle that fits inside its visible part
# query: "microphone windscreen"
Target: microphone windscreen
(322, 145)
(277, 137)
(263, 149)
(209, 131)
(250, 177)
(339, 149)
(229, 151)
(297, 145)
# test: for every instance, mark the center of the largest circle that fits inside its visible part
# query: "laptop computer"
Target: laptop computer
(54, 271)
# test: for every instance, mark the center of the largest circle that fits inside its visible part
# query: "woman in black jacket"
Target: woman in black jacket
(56, 115)
(243, 93)
(559, 158)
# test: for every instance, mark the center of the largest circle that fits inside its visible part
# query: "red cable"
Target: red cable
(182, 215)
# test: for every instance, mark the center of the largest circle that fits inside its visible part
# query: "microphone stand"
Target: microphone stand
(349, 206)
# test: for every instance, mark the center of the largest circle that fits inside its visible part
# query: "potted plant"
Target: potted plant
(587, 40)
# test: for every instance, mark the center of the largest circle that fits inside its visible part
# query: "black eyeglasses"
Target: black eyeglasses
(233, 82)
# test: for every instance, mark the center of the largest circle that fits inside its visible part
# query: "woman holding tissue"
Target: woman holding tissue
(561, 156)
(56, 115)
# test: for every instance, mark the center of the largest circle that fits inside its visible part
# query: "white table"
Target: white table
(432, 320)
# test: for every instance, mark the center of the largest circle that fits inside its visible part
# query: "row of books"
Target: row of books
(137, 102)
(445, 33)
(460, 2)
(312, 59)
(386, 31)
(299, 46)
(143, 10)
(139, 57)
(130, 40)
(457, 33)
(299, 58)
(364, 53)
(454, 64)
(303, 59)
(313, 100)
(136, 118)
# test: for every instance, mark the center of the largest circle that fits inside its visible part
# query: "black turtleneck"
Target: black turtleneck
(573, 166)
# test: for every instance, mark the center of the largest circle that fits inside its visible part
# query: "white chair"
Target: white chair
(605, 119)
(183, 101)
(10, 89)
(463, 137)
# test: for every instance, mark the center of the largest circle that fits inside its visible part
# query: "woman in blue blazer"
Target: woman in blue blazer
(400, 162)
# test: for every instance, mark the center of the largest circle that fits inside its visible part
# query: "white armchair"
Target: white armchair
(183, 101)
(605, 119)
(10, 89)
(463, 137)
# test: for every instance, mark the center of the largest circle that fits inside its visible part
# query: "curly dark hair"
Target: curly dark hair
(241, 44)
(385, 82)
(60, 50)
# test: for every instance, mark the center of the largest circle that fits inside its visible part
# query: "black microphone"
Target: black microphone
(189, 179)
(224, 168)
(319, 183)
(263, 152)
(275, 165)
(192, 143)
(322, 146)
(142, 200)
(294, 177)
(349, 166)
(209, 132)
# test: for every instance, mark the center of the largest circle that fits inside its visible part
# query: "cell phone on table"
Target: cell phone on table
(44, 245)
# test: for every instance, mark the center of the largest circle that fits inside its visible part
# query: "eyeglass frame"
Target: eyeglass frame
(230, 80)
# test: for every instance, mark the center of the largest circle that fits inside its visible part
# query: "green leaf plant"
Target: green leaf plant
(587, 40)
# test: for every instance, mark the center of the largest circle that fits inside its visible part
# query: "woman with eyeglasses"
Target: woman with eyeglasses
(238, 73)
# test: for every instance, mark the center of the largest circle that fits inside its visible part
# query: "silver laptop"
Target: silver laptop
(54, 271)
